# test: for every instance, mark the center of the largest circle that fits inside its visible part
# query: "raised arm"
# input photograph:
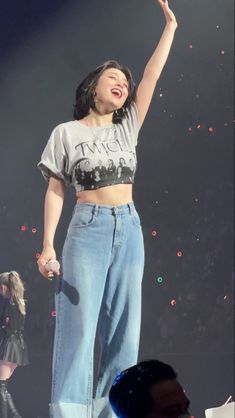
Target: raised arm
(53, 207)
(156, 63)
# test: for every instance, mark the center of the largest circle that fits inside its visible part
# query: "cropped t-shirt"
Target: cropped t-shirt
(92, 157)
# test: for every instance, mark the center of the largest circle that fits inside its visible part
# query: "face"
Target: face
(4, 291)
(112, 89)
(170, 400)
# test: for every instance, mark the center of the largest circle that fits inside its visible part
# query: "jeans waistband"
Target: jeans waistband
(107, 209)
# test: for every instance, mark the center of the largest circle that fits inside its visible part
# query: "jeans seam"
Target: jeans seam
(58, 342)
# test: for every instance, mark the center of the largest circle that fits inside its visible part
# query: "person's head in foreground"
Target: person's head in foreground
(149, 390)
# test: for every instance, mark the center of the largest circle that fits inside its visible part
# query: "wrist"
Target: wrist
(171, 25)
(48, 245)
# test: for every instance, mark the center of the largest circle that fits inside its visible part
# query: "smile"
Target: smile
(117, 93)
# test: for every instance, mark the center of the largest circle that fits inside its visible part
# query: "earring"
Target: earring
(94, 97)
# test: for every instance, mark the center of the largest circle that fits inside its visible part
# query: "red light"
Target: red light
(34, 230)
(179, 254)
(23, 228)
(37, 255)
(173, 302)
(53, 314)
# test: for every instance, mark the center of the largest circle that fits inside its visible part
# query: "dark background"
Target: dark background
(184, 183)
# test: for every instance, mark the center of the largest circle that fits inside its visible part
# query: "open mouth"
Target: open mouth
(117, 93)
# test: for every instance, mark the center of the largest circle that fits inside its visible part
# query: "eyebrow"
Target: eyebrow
(124, 79)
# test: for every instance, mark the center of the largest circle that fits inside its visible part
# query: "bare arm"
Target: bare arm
(156, 63)
(52, 211)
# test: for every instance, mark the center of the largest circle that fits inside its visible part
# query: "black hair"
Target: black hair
(85, 92)
(130, 394)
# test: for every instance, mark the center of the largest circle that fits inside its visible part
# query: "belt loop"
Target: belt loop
(130, 207)
(95, 210)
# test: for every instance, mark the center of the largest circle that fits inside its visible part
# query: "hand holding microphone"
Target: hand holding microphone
(53, 268)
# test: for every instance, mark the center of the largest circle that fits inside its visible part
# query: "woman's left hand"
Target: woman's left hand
(169, 15)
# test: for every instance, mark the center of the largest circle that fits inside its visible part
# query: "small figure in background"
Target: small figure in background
(13, 350)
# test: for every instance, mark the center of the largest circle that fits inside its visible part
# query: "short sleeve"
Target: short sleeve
(54, 159)
(132, 122)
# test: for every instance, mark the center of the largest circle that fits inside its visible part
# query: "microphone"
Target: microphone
(53, 267)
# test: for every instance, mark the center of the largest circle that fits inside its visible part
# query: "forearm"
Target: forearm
(157, 61)
(52, 211)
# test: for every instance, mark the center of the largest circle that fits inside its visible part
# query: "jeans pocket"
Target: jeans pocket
(82, 218)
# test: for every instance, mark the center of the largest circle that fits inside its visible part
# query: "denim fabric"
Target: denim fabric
(99, 292)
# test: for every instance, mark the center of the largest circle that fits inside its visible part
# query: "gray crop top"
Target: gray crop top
(92, 157)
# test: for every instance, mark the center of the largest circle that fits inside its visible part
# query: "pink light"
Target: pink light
(211, 130)
(190, 46)
(34, 230)
(154, 233)
(173, 302)
(53, 314)
(179, 254)
(37, 255)
(23, 228)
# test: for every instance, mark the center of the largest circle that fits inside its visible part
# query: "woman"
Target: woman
(111, 169)
(13, 350)
(103, 255)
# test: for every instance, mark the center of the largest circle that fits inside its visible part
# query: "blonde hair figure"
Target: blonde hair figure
(13, 350)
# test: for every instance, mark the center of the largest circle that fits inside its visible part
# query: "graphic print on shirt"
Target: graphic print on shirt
(104, 160)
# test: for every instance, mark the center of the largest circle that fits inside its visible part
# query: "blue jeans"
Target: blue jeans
(100, 292)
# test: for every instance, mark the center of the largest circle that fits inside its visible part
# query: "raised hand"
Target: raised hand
(169, 15)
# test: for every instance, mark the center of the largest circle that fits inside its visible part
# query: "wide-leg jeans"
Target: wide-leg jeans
(99, 293)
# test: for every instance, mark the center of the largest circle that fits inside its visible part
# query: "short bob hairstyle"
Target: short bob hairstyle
(85, 92)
